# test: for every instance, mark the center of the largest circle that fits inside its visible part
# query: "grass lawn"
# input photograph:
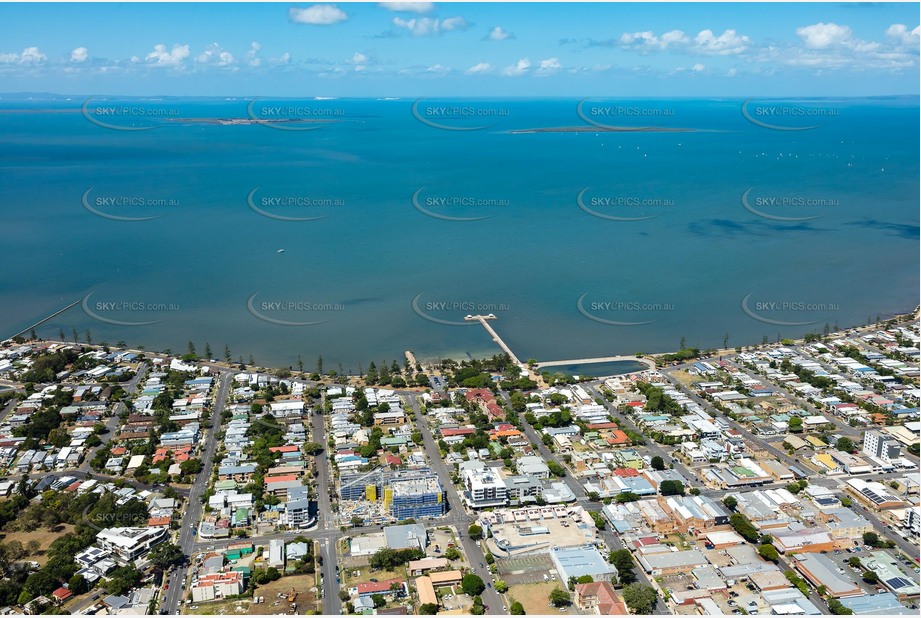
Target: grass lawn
(43, 536)
(534, 597)
(684, 377)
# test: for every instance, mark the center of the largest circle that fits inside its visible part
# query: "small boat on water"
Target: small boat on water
(280, 251)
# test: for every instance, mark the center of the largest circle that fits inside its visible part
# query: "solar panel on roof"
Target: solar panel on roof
(898, 582)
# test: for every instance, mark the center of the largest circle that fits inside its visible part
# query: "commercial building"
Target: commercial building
(484, 488)
(882, 446)
(128, 544)
(409, 536)
(578, 561)
(670, 563)
(820, 571)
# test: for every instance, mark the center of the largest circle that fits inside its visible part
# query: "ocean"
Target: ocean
(378, 228)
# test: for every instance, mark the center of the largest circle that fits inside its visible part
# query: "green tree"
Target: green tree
(556, 469)
(871, 539)
(671, 488)
(517, 609)
(657, 463)
(478, 608)
(741, 524)
(501, 586)
(475, 532)
(378, 600)
(844, 445)
(472, 584)
(641, 599)
(622, 560)
(559, 597)
(768, 552)
(426, 609)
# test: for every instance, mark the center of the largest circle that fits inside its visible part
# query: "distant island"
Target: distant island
(592, 129)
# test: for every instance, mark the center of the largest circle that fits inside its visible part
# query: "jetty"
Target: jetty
(484, 320)
(45, 319)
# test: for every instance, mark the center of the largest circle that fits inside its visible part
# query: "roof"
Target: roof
(62, 593)
(608, 603)
(443, 577)
(378, 587)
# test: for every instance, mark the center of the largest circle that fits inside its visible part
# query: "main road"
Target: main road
(326, 533)
(458, 515)
(193, 509)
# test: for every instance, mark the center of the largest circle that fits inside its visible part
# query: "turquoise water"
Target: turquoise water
(681, 274)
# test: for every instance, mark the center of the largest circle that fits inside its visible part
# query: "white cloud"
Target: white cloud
(215, 55)
(480, 67)
(705, 43)
(252, 58)
(550, 65)
(725, 44)
(438, 69)
(648, 41)
(285, 58)
(499, 34)
(160, 57)
(823, 36)
(29, 55)
(731, 72)
(697, 68)
(79, 54)
(519, 68)
(901, 34)
(408, 7)
(424, 26)
(317, 15)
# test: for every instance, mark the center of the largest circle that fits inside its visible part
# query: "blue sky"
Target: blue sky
(456, 49)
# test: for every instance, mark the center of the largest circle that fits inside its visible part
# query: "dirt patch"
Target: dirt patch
(301, 584)
(43, 537)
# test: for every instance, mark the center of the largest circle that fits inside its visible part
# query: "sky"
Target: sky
(461, 49)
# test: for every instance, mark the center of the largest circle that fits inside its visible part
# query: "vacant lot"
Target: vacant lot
(534, 597)
(43, 537)
(233, 607)
(302, 584)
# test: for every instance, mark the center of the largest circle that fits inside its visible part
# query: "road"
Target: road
(193, 510)
(610, 538)
(326, 533)
(457, 513)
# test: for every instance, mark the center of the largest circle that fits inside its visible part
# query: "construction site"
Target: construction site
(385, 496)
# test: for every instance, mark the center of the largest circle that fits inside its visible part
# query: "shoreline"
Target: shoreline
(640, 358)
